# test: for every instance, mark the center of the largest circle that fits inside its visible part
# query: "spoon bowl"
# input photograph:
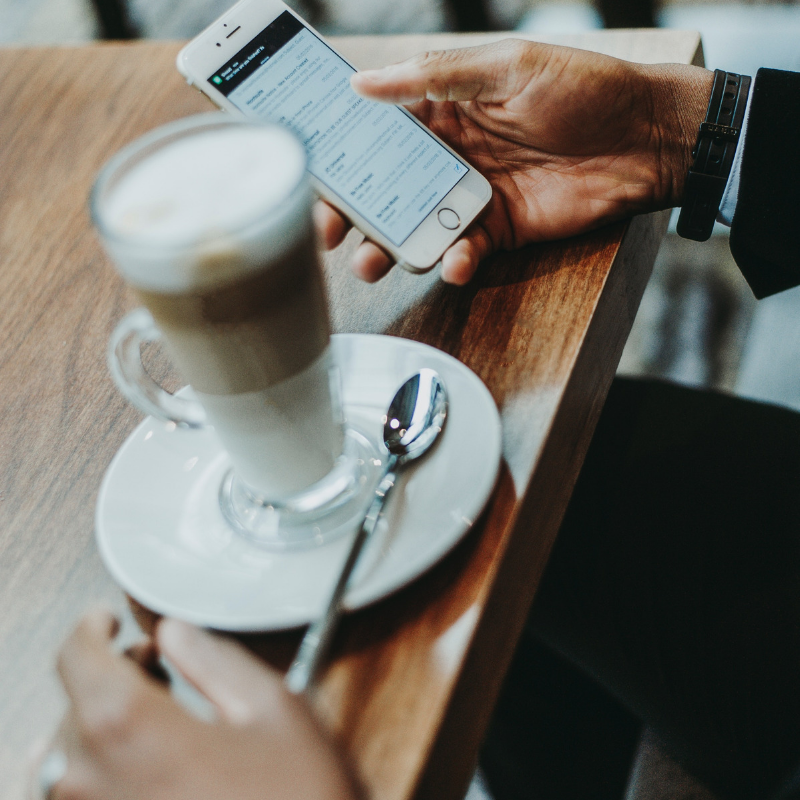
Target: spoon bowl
(416, 416)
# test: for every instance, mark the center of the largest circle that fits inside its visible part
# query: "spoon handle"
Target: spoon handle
(314, 648)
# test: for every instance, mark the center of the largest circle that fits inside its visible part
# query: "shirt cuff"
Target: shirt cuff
(728, 205)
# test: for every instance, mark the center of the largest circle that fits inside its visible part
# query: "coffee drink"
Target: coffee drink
(214, 233)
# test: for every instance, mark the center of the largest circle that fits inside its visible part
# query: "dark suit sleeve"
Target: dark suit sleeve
(765, 233)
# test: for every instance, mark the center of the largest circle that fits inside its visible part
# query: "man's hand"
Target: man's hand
(570, 140)
(125, 736)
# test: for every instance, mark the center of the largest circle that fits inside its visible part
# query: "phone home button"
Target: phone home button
(449, 219)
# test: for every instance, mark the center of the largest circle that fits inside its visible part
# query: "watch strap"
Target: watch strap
(713, 155)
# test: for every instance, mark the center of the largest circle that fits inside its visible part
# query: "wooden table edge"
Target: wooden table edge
(459, 736)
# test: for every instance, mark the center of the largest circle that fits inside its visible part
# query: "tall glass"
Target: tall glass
(208, 219)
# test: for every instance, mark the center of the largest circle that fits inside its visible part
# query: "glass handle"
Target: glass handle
(136, 384)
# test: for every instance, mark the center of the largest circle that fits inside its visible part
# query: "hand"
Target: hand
(570, 140)
(126, 738)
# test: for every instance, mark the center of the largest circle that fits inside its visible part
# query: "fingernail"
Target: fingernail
(174, 634)
(370, 74)
(375, 75)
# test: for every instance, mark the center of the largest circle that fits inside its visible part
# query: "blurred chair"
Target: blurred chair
(627, 13)
(115, 19)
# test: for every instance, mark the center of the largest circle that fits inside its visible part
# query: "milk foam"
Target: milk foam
(207, 206)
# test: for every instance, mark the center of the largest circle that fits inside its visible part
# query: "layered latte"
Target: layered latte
(214, 233)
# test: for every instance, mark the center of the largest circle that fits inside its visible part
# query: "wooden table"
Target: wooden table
(415, 678)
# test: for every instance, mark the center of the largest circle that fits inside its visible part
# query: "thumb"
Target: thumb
(243, 688)
(471, 73)
(460, 262)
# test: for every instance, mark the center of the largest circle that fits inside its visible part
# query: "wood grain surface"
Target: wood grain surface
(414, 677)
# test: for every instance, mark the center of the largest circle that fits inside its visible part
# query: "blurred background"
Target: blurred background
(698, 323)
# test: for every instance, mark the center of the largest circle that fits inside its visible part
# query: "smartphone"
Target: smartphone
(397, 182)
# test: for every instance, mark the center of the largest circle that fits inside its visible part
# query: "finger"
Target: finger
(142, 653)
(331, 226)
(145, 654)
(97, 681)
(471, 73)
(370, 263)
(242, 687)
(460, 261)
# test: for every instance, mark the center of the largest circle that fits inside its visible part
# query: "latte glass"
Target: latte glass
(209, 221)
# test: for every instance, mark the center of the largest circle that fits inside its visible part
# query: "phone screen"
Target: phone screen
(379, 160)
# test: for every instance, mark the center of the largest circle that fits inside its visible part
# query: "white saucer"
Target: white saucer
(162, 536)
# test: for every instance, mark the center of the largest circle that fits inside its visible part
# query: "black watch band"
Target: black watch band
(713, 155)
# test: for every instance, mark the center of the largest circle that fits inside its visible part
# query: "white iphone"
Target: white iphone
(386, 172)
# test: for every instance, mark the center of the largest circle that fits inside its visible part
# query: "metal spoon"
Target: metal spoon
(415, 418)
